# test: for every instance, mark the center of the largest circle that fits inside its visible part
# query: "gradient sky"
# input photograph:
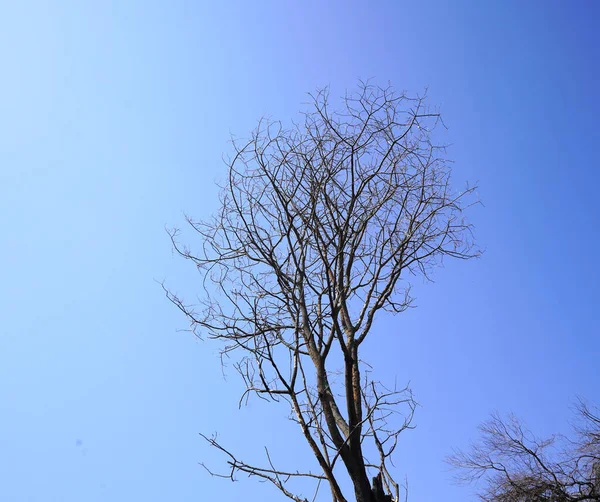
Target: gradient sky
(113, 120)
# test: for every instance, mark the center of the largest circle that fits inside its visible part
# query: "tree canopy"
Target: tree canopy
(321, 227)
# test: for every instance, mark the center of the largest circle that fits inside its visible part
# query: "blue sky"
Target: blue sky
(114, 117)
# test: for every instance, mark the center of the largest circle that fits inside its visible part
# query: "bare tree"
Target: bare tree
(519, 467)
(320, 227)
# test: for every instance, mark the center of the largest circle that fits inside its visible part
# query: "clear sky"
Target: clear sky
(113, 120)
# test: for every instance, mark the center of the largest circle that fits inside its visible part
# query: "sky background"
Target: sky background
(114, 117)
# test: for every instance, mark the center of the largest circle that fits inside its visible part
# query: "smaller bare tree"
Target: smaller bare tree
(516, 466)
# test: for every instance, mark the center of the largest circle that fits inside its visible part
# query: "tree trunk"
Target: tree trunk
(379, 494)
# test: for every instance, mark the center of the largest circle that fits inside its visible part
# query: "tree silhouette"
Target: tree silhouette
(516, 466)
(320, 228)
